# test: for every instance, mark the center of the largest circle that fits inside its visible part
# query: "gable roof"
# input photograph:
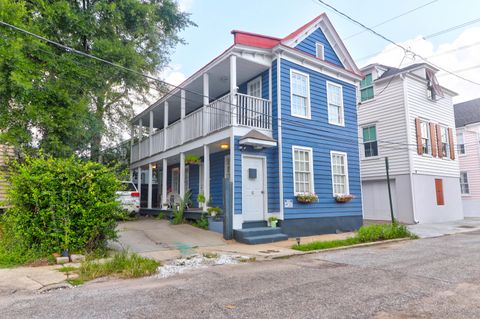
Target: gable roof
(394, 71)
(321, 21)
(467, 112)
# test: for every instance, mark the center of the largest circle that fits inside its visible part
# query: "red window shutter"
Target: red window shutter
(419, 136)
(452, 143)
(433, 139)
(439, 191)
(439, 141)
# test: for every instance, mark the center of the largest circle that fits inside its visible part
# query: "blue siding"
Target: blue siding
(217, 173)
(308, 46)
(242, 88)
(322, 138)
(194, 183)
(271, 155)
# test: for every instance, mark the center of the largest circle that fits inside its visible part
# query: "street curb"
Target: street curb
(300, 253)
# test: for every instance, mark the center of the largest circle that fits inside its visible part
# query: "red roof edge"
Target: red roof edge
(302, 28)
(254, 39)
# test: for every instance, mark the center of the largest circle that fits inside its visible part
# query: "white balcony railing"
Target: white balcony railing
(241, 110)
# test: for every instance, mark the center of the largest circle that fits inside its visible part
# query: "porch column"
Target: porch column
(206, 175)
(150, 178)
(140, 136)
(164, 181)
(139, 181)
(182, 114)
(233, 87)
(132, 140)
(165, 124)
(150, 133)
(182, 175)
(206, 98)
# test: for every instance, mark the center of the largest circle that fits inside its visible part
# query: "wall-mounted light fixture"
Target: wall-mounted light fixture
(224, 146)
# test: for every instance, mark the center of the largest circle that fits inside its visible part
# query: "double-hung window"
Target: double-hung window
(254, 87)
(425, 137)
(300, 94)
(366, 88)
(335, 103)
(339, 173)
(464, 188)
(461, 144)
(302, 170)
(370, 141)
(445, 146)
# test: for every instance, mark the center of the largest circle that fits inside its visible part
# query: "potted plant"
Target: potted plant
(214, 211)
(201, 199)
(306, 198)
(273, 221)
(343, 198)
(192, 159)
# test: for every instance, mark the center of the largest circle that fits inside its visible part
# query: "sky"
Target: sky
(454, 51)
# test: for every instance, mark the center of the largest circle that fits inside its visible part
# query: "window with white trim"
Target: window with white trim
(319, 51)
(445, 145)
(464, 187)
(187, 178)
(302, 170)
(425, 137)
(300, 94)
(226, 173)
(461, 144)
(254, 87)
(335, 103)
(370, 141)
(366, 88)
(176, 180)
(339, 173)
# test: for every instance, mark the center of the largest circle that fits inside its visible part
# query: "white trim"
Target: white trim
(257, 79)
(175, 169)
(462, 133)
(468, 184)
(312, 178)
(342, 122)
(279, 127)
(226, 160)
(364, 126)
(347, 181)
(265, 182)
(309, 111)
(256, 142)
(317, 45)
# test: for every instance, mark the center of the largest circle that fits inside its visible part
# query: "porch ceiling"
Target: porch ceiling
(219, 85)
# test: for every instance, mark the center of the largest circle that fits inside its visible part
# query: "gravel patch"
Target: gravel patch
(196, 261)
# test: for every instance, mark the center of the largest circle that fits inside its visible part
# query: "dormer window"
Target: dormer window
(320, 51)
(366, 88)
(434, 90)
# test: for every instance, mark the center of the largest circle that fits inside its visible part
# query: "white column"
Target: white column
(164, 181)
(182, 174)
(150, 178)
(139, 181)
(150, 133)
(206, 174)
(140, 136)
(206, 98)
(233, 87)
(132, 138)
(182, 114)
(165, 124)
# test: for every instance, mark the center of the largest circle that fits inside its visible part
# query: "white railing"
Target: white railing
(157, 142)
(134, 155)
(144, 148)
(219, 113)
(193, 125)
(253, 112)
(250, 111)
(174, 134)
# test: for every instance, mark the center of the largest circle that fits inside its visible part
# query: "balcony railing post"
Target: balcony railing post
(132, 141)
(182, 116)
(206, 97)
(150, 133)
(233, 89)
(140, 137)
(165, 125)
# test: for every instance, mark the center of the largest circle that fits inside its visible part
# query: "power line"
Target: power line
(436, 34)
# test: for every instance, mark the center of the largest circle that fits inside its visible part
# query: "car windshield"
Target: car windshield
(129, 186)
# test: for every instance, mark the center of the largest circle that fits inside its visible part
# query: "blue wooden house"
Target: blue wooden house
(277, 118)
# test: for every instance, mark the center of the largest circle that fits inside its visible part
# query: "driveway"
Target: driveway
(425, 278)
(446, 228)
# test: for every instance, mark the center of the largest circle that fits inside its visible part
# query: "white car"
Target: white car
(129, 197)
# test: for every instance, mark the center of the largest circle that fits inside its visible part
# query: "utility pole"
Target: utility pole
(389, 190)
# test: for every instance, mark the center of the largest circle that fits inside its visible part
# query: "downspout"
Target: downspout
(410, 155)
(279, 129)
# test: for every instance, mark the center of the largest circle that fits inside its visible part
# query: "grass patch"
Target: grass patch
(366, 234)
(75, 281)
(122, 265)
(67, 269)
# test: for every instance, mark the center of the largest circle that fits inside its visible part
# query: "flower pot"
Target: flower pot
(273, 223)
(343, 198)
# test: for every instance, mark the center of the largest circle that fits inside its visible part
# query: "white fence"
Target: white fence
(253, 112)
(193, 125)
(144, 148)
(219, 113)
(174, 134)
(157, 142)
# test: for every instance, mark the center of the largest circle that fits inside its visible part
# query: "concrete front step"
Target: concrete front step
(254, 224)
(259, 235)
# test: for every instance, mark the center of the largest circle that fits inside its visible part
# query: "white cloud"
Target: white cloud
(184, 5)
(457, 56)
(172, 74)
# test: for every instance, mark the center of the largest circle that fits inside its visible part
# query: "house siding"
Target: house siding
(217, 173)
(322, 138)
(307, 45)
(470, 163)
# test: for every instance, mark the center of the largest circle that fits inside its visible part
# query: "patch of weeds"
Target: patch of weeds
(75, 281)
(121, 265)
(366, 234)
(210, 255)
(201, 223)
(67, 269)
(247, 259)
(161, 215)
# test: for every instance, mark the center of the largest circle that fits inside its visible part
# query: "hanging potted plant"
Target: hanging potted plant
(192, 159)
(343, 198)
(306, 198)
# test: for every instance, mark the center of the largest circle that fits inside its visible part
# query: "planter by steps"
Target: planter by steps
(215, 225)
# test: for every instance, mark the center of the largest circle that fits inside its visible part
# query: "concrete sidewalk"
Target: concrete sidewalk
(30, 278)
(445, 228)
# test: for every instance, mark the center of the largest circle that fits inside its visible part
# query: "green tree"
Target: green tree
(67, 103)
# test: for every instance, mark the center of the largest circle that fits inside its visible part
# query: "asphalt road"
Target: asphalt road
(427, 278)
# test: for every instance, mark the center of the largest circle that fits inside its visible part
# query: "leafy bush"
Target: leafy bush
(202, 222)
(179, 210)
(58, 204)
(122, 265)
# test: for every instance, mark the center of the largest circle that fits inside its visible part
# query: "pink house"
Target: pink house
(467, 122)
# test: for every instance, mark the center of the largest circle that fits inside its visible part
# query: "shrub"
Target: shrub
(179, 210)
(58, 204)
(202, 222)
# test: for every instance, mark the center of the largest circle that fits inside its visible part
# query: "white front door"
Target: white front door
(253, 188)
